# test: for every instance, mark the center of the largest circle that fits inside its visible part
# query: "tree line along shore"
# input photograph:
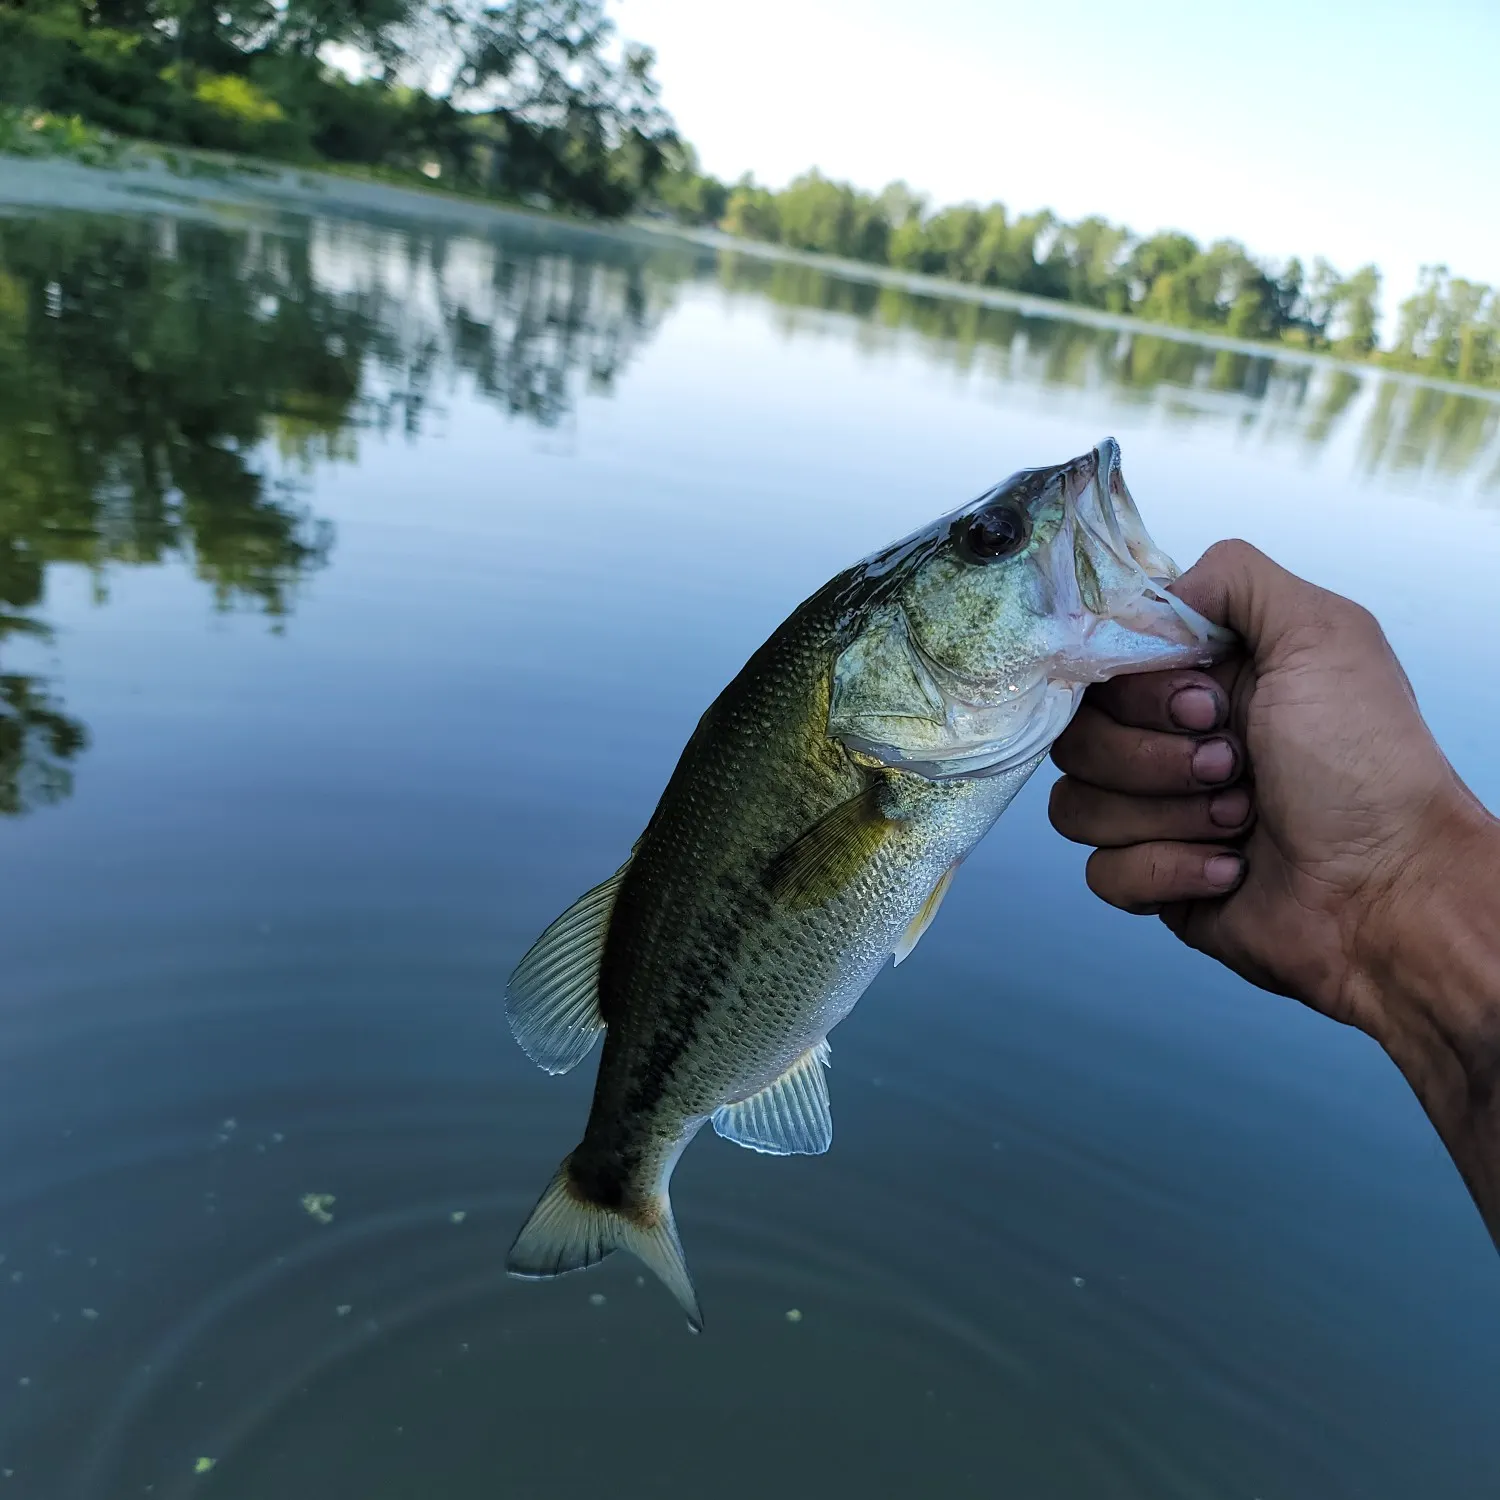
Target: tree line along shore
(541, 102)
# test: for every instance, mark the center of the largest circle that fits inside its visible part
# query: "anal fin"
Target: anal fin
(789, 1117)
(925, 913)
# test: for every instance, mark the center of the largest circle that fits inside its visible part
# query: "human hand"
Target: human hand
(1287, 813)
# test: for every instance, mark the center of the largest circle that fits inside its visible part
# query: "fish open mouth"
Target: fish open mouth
(1092, 602)
(1132, 622)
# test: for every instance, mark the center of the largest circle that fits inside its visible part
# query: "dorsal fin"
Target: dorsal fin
(552, 1000)
(790, 1117)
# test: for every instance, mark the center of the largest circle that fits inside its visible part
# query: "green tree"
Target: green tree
(580, 112)
(687, 193)
(1450, 326)
(899, 204)
(944, 244)
(753, 212)
(1356, 311)
(1088, 262)
(1150, 260)
(526, 96)
(816, 214)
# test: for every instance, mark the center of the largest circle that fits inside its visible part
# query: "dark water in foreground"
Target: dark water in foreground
(358, 588)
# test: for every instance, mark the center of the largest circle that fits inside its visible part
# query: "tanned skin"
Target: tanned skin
(1291, 815)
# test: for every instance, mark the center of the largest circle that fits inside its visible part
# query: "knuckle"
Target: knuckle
(1362, 623)
(1230, 550)
(1061, 802)
(1063, 756)
(1097, 873)
(1172, 762)
(1233, 555)
(1142, 698)
(1067, 746)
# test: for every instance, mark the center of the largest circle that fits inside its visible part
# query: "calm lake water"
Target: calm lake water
(359, 585)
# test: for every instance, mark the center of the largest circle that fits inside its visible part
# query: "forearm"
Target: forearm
(1430, 981)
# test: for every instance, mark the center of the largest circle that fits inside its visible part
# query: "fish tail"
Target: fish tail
(569, 1230)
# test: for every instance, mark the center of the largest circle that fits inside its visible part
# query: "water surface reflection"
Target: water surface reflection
(167, 387)
(1403, 425)
(390, 568)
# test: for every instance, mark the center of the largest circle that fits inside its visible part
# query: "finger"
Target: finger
(1173, 701)
(1237, 585)
(1090, 815)
(1143, 878)
(1096, 749)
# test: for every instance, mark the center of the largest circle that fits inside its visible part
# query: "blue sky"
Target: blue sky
(1360, 131)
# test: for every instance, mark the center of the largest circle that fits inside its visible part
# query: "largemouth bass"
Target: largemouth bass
(810, 831)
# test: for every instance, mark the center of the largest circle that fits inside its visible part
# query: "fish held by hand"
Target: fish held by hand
(810, 830)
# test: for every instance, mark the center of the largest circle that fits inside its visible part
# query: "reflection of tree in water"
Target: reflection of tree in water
(140, 367)
(163, 384)
(156, 377)
(1338, 392)
(1413, 427)
(37, 741)
(1405, 426)
(1012, 342)
(530, 326)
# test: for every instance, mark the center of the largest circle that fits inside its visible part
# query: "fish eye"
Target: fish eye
(996, 531)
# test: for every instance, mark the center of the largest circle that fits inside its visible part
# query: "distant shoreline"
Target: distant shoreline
(920, 283)
(145, 182)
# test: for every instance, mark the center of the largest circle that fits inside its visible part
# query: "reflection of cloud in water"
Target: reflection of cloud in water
(1399, 427)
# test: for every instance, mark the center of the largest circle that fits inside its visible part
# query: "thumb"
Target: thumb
(1237, 585)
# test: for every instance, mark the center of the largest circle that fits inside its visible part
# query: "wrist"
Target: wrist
(1424, 975)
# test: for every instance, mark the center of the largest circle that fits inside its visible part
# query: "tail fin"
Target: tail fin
(567, 1232)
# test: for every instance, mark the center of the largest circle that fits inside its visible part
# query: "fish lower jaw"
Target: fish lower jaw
(1151, 635)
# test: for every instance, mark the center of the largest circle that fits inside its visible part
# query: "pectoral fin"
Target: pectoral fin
(825, 859)
(929, 909)
(790, 1117)
(553, 996)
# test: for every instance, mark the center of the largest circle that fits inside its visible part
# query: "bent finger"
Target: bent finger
(1143, 878)
(1096, 749)
(1091, 815)
(1171, 701)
